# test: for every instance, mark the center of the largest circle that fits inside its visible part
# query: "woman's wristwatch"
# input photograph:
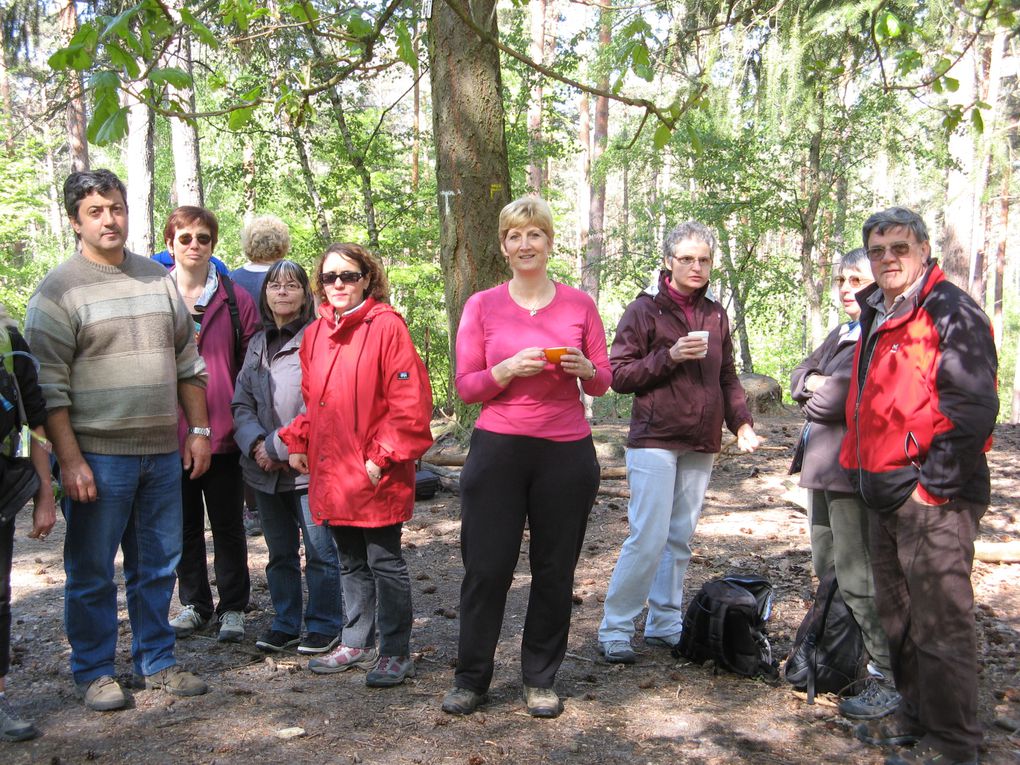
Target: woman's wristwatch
(206, 432)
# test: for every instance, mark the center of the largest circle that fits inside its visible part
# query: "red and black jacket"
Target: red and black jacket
(922, 400)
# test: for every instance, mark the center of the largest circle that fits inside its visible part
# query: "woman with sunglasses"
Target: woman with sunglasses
(268, 396)
(838, 522)
(225, 319)
(368, 404)
(525, 350)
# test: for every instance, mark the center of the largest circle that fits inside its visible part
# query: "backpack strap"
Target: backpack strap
(235, 318)
(716, 630)
(12, 440)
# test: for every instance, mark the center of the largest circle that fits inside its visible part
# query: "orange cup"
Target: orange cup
(553, 355)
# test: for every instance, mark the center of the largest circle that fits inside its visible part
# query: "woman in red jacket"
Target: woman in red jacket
(368, 404)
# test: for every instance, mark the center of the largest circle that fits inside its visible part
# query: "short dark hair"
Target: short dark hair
(280, 271)
(378, 284)
(187, 215)
(81, 183)
(895, 217)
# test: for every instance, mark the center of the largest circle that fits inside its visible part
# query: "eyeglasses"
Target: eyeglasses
(856, 282)
(185, 239)
(687, 261)
(899, 249)
(288, 287)
(347, 277)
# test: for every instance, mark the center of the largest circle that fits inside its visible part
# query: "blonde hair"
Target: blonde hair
(265, 240)
(526, 211)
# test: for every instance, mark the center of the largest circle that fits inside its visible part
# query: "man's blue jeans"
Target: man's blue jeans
(285, 521)
(139, 510)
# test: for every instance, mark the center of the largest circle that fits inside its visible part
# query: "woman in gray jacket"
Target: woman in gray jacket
(268, 396)
(839, 523)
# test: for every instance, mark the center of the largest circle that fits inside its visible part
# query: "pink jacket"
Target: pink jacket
(216, 347)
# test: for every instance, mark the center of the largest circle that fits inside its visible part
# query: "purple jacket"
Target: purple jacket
(216, 347)
(677, 404)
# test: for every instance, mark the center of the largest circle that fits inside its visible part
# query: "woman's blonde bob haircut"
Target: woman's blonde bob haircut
(378, 285)
(265, 240)
(526, 211)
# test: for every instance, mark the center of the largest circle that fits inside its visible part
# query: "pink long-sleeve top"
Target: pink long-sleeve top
(548, 405)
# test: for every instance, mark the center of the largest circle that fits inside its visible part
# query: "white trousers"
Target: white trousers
(667, 490)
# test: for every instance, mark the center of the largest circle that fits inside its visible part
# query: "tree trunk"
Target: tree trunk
(416, 127)
(584, 166)
(535, 160)
(6, 111)
(184, 134)
(958, 228)
(77, 142)
(139, 159)
(738, 329)
(596, 251)
(354, 154)
(809, 271)
(318, 211)
(1000, 271)
(552, 18)
(249, 172)
(57, 216)
(472, 172)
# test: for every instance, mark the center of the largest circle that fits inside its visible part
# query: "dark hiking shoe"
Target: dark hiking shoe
(887, 732)
(463, 701)
(275, 641)
(318, 642)
(542, 702)
(12, 727)
(877, 700)
(925, 755)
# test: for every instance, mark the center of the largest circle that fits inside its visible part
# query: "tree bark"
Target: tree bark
(584, 163)
(249, 172)
(318, 211)
(958, 227)
(472, 172)
(184, 134)
(57, 216)
(809, 271)
(1000, 274)
(77, 141)
(6, 111)
(738, 328)
(537, 51)
(139, 159)
(416, 126)
(596, 251)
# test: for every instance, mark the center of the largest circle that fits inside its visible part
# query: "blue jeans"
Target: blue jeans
(284, 516)
(139, 510)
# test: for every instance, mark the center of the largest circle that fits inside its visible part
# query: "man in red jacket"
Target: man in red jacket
(921, 409)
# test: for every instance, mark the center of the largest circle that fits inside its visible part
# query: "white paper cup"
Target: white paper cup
(700, 334)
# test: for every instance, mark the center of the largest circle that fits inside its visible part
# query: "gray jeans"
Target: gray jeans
(839, 538)
(372, 569)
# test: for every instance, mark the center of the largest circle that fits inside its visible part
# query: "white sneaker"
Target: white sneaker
(231, 627)
(187, 621)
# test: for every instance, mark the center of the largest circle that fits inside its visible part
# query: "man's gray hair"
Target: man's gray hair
(855, 260)
(895, 217)
(688, 230)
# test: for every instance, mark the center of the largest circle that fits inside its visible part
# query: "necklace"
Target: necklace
(539, 302)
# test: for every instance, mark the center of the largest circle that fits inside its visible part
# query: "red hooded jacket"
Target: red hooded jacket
(367, 396)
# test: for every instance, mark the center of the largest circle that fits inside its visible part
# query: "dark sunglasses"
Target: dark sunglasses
(347, 277)
(185, 239)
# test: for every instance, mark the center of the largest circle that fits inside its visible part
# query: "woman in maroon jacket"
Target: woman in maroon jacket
(368, 404)
(839, 523)
(685, 386)
(191, 234)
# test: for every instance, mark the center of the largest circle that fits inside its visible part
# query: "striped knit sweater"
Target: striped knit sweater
(113, 342)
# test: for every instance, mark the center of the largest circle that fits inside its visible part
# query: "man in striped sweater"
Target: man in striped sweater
(117, 355)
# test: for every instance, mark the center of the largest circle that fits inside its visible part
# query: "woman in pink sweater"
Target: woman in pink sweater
(522, 348)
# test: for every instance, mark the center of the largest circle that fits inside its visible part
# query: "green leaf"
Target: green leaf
(105, 83)
(696, 143)
(114, 128)
(216, 81)
(358, 27)
(239, 117)
(892, 26)
(977, 120)
(202, 32)
(662, 135)
(253, 94)
(951, 83)
(122, 59)
(118, 24)
(405, 46)
(170, 75)
(942, 66)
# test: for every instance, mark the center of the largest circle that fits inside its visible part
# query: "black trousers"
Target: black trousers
(223, 492)
(507, 481)
(6, 556)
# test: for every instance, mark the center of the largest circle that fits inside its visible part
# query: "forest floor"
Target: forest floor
(656, 711)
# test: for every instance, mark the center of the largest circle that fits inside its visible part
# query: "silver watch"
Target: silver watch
(207, 432)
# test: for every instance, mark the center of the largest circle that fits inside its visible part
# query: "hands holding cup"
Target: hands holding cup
(691, 347)
(572, 361)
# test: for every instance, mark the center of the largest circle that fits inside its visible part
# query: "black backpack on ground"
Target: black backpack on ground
(828, 653)
(726, 623)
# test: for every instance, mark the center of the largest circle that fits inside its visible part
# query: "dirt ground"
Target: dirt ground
(656, 711)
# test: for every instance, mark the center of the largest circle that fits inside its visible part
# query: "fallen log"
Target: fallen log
(997, 552)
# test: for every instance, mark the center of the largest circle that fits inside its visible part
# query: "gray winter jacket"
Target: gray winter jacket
(267, 396)
(817, 456)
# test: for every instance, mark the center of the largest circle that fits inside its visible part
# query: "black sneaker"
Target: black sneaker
(274, 641)
(318, 642)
